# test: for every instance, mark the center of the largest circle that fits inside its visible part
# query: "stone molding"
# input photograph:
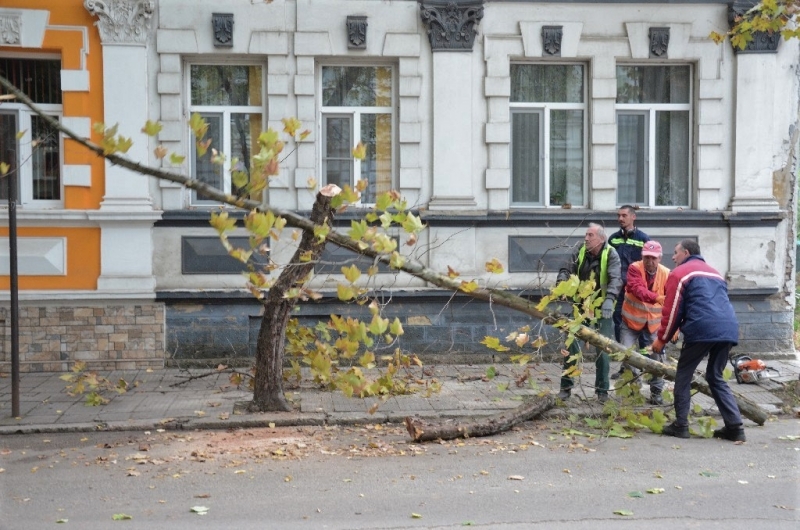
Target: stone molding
(659, 42)
(222, 24)
(452, 25)
(357, 32)
(10, 33)
(551, 40)
(122, 21)
(762, 42)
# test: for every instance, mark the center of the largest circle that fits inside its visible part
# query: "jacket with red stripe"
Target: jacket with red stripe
(697, 303)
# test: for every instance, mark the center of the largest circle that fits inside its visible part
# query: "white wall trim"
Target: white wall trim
(36, 256)
(78, 175)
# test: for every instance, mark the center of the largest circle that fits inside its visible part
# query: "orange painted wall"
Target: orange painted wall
(83, 263)
(83, 244)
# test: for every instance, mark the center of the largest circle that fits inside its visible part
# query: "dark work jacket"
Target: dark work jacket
(629, 248)
(591, 264)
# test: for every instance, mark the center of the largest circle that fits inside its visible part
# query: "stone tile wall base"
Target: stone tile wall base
(53, 338)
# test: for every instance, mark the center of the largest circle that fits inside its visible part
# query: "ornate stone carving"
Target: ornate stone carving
(122, 21)
(223, 29)
(451, 23)
(659, 42)
(9, 29)
(762, 42)
(357, 32)
(551, 40)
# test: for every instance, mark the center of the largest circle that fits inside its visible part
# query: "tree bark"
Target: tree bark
(421, 431)
(268, 390)
(416, 268)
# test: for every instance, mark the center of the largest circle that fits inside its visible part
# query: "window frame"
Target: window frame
(225, 112)
(545, 109)
(355, 114)
(24, 161)
(650, 111)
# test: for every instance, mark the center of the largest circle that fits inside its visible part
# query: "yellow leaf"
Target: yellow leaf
(452, 273)
(311, 183)
(360, 151)
(494, 266)
(290, 126)
(468, 287)
(493, 343)
(176, 159)
(351, 273)
(416, 516)
(345, 293)
(4, 168)
(151, 128)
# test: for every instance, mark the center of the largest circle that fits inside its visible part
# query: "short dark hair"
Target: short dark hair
(691, 246)
(631, 209)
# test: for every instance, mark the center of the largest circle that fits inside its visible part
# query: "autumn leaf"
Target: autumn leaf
(176, 159)
(121, 517)
(151, 128)
(494, 266)
(494, 343)
(468, 287)
(623, 512)
(4, 168)
(360, 151)
(452, 273)
(160, 152)
(290, 126)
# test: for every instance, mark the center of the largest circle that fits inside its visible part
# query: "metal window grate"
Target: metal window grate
(40, 79)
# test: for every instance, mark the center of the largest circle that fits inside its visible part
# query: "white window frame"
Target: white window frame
(355, 113)
(24, 144)
(649, 110)
(544, 142)
(225, 112)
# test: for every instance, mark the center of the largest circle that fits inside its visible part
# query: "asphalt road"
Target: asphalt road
(540, 476)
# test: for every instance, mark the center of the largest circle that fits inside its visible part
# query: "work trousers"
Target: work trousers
(606, 327)
(629, 337)
(691, 355)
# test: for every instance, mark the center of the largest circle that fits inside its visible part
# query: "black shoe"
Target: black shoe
(734, 434)
(602, 398)
(617, 375)
(564, 394)
(656, 399)
(678, 431)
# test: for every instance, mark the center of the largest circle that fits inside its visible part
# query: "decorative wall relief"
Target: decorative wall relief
(659, 42)
(223, 29)
(123, 21)
(451, 24)
(10, 29)
(551, 40)
(357, 32)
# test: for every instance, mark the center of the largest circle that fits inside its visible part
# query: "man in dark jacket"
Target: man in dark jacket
(595, 257)
(628, 242)
(697, 303)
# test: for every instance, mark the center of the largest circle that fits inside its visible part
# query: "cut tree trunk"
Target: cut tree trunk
(268, 393)
(422, 431)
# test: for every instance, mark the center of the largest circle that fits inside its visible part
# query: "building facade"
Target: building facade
(507, 125)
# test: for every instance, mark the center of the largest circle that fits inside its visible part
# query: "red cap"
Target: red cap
(652, 248)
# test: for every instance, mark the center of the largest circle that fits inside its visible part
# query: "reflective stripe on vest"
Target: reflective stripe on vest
(637, 314)
(632, 242)
(603, 267)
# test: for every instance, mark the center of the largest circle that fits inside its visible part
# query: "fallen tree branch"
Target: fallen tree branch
(421, 431)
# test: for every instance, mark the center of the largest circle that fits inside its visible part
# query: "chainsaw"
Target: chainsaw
(749, 370)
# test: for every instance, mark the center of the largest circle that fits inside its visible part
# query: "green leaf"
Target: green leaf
(491, 372)
(379, 325)
(623, 512)
(176, 159)
(121, 517)
(199, 510)
(412, 224)
(396, 328)
(345, 293)
(351, 273)
(636, 494)
(707, 473)
(656, 491)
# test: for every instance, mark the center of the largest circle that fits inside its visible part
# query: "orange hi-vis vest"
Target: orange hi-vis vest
(638, 314)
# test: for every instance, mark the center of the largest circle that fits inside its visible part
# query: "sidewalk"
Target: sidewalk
(165, 399)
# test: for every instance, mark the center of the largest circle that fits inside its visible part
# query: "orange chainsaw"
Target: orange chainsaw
(749, 370)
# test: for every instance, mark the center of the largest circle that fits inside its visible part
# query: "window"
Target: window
(231, 99)
(548, 138)
(358, 106)
(654, 135)
(28, 144)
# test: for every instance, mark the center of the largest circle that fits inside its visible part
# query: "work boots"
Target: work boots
(734, 434)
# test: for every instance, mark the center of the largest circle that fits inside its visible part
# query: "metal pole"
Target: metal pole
(14, 290)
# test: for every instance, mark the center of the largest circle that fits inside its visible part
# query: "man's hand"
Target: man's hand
(658, 346)
(607, 309)
(660, 299)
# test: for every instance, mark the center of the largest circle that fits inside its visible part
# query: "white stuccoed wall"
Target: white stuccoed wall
(453, 114)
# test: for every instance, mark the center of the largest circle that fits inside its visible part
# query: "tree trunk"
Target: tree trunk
(421, 431)
(268, 391)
